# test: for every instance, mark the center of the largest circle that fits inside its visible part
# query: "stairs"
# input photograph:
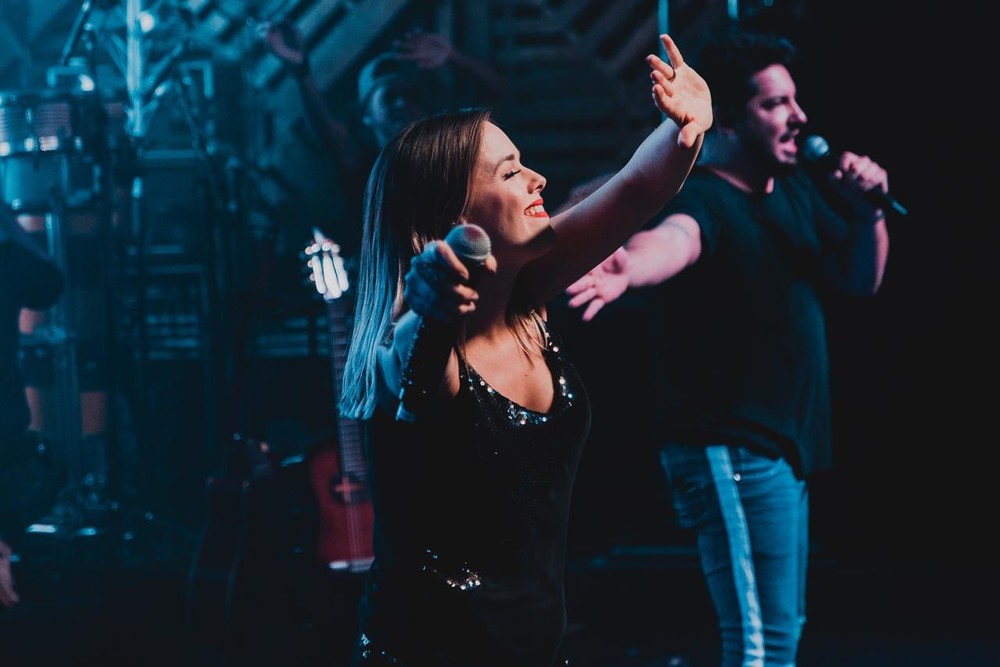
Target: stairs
(580, 87)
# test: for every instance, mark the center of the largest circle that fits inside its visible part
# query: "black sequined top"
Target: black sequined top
(471, 513)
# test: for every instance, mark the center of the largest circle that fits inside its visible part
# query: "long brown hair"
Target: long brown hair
(418, 189)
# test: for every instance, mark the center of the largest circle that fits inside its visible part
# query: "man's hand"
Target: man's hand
(855, 177)
(285, 41)
(601, 285)
(8, 596)
(426, 50)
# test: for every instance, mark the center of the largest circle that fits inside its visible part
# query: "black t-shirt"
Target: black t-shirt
(743, 355)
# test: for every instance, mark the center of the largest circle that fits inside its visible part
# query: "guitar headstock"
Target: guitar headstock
(326, 267)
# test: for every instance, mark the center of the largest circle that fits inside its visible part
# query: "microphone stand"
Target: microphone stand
(79, 26)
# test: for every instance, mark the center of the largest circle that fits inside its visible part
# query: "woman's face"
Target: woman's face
(505, 197)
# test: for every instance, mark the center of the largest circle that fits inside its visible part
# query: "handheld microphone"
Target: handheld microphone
(434, 340)
(816, 151)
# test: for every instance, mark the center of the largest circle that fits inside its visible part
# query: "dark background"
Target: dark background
(913, 368)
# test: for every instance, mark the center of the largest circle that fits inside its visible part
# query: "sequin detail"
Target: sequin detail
(370, 652)
(466, 579)
(519, 415)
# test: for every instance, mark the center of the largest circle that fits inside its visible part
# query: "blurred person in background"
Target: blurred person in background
(28, 279)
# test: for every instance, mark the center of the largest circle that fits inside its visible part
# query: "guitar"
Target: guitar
(338, 475)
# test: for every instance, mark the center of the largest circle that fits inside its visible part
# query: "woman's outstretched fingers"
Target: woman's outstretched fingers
(673, 53)
(681, 93)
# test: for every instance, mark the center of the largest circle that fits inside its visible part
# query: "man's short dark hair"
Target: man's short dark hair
(729, 61)
(385, 69)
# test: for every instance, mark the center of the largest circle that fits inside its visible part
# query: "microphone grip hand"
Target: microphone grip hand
(868, 182)
(885, 201)
(859, 176)
(440, 299)
(436, 289)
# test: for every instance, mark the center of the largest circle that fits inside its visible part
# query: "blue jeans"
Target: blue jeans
(750, 515)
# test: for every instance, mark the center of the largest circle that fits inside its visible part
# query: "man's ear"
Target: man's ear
(367, 120)
(725, 118)
(726, 130)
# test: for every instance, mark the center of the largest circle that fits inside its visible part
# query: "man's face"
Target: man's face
(773, 118)
(391, 108)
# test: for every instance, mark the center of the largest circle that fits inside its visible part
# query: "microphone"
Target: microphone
(434, 340)
(816, 151)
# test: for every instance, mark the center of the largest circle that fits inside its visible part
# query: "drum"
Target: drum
(49, 143)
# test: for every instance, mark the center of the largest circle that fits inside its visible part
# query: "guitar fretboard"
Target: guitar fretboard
(348, 430)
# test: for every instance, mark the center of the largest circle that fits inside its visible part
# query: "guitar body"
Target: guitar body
(344, 531)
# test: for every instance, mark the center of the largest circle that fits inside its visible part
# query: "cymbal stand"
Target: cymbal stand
(87, 483)
(147, 81)
(68, 517)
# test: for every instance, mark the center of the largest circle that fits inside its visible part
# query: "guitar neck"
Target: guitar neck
(348, 430)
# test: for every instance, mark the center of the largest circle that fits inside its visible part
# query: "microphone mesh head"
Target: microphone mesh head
(470, 242)
(815, 148)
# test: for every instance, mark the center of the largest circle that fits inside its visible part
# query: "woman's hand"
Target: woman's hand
(436, 285)
(680, 93)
